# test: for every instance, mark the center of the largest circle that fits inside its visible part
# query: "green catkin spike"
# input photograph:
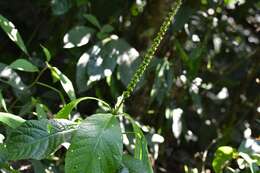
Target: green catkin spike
(150, 53)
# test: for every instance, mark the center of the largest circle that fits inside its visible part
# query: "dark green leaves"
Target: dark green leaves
(37, 139)
(96, 146)
(78, 36)
(24, 65)
(12, 33)
(100, 61)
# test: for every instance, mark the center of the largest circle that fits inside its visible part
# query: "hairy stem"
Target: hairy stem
(150, 54)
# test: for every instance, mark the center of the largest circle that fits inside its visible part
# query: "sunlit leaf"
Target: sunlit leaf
(96, 146)
(2, 102)
(12, 33)
(37, 139)
(77, 36)
(223, 155)
(66, 83)
(11, 120)
(23, 65)
(46, 53)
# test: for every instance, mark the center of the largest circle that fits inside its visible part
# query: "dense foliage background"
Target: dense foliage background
(200, 92)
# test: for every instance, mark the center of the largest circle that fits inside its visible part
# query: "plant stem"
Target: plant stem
(54, 89)
(150, 54)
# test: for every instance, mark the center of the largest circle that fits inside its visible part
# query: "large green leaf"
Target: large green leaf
(23, 65)
(11, 120)
(12, 33)
(96, 147)
(223, 155)
(77, 36)
(37, 139)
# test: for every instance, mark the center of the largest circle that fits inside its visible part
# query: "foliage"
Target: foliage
(196, 85)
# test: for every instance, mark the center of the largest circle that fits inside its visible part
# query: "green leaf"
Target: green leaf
(107, 28)
(93, 20)
(40, 110)
(251, 162)
(23, 65)
(96, 147)
(99, 61)
(10, 77)
(81, 73)
(3, 154)
(128, 61)
(2, 102)
(46, 53)
(133, 165)
(163, 81)
(141, 150)
(65, 82)
(77, 37)
(11, 120)
(223, 155)
(12, 33)
(37, 139)
(66, 110)
(60, 7)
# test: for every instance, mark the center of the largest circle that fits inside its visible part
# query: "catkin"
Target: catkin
(151, 51)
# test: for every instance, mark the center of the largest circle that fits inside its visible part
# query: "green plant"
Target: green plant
(95, 142)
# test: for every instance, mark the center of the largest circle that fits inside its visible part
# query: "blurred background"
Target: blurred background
(200, 92)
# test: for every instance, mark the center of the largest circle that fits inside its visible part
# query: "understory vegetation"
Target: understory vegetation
(122, 86)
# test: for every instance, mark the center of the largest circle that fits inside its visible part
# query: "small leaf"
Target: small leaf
(66, 110)
(46, 53)
(40, 110)
(77, 37)
(96, 147)
(2, 102)
(60, 7)
(93, 20)
(107, 29)
(223, 155)
(11, 120)
(163, 82)
(37, 139)
(12, 33)
(23, 65)
(66, 83)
